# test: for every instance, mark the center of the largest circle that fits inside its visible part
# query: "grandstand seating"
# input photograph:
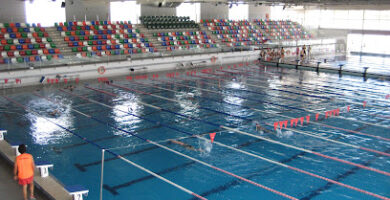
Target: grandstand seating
(235, 33)
(20, 42)
(167, 22)
(185, 40)
(282, 30)
(104, 38)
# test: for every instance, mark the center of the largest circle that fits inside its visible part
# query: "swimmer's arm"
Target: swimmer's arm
(176, 142)
(200, 150)
(193, 148)
(172, 141)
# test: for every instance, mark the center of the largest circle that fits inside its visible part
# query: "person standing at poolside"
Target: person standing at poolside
(262, 54)
(281, 55)
(24, 171)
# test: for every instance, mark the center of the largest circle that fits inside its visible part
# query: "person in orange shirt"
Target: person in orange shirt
(24, 171)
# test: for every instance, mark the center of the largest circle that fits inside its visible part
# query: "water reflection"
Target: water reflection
(126, 102)
(44, 132)
(187, 101)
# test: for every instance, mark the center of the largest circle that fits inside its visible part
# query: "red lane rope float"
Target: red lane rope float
(334, 141)
(134, 90)
(101, 70)
(247, 91)
(320, 97)
(102, 91)
(220, 70)
(293, 147)
(211, 78)
(259, 185)
(357, 132)
(341, 184)
(184, 155)
(120, 157)
(224, 75)
(292, 121)
(246, 70)
(329, 126)
(287, 166)
(206, 77)
(213, 59)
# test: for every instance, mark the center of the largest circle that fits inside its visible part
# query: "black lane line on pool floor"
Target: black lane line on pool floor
(264, 171)
(58, 150)
(223, 102)
(340, 177)
(113, 189)
(344, 175)
(82, 167)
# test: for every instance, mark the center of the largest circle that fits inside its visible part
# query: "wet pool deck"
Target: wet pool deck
(45, 188)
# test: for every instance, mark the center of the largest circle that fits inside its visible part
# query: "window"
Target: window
(44, 12)
(368, 43)
(276, 13)
(189, 9)
(238, 12)
(312, 18)
(125, 11)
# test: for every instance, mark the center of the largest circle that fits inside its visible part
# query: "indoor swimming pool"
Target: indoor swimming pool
(280, 134)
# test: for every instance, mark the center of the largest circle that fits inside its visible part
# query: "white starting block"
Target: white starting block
(44, 168)
(2, 132)
(16, 146)
(77, 191)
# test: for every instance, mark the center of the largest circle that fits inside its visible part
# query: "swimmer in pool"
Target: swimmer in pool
(71, 88)
(187, 146)
(259, 128)
(191, 96)
(54, 113)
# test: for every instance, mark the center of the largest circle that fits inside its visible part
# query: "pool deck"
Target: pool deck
(326, 67)
(45, 188)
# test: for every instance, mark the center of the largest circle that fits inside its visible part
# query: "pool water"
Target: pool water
(198, 105)
(375, 64)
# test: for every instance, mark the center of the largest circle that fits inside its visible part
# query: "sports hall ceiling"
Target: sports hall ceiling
(174, 3)
(282, 2)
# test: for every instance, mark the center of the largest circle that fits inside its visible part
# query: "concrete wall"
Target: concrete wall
(157, 11)
(258, 12)
(91, 9)
(120, 68)
(12, 11)
(211, 11)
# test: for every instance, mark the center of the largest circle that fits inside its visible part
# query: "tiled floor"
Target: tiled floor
(9, 188)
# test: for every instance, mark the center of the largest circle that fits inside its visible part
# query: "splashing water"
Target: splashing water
(284, 134)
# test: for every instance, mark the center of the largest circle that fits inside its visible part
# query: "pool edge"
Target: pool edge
(49, 186)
